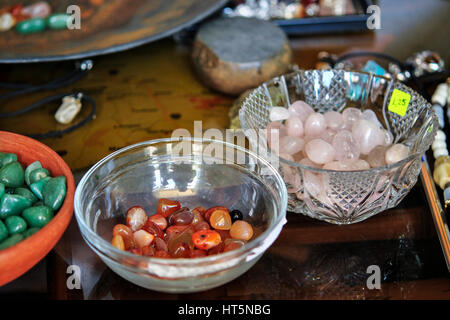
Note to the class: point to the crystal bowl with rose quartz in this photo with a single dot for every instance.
(367, 148)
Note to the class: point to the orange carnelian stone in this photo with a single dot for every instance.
(206, 239)
(126, 234)
(220, 219)
(241, 230)
(117, 241)
(166, 207)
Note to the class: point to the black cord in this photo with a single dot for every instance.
(23, 88)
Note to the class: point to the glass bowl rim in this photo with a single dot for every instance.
(99, 242)
(386, 167)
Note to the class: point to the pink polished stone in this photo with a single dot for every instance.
(39, 9)
(313, 183)
(388, 137)
(395, 153)
(320, 151)
(351, 115)
(301, 109)
(344, 165)
(315, 125)
(376, 157)
(309, 163)
(328, 135)
(361, 164)
(286, 156)
(370, 115)
(346, 146)
(334, 120)
(291, 145)
(366, 134)
(278, 114)
(294, 126)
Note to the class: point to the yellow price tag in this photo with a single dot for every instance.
(399, 102)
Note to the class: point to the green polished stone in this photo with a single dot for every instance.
(35, 165)
(15, 238)
(6, 158)
(38, 174)
(15, 224)
(54, 192)
(58, 21)
(12, 205)
(37, 217)
(2, 190)
(30, 232)
(39, 203)
(27, 194)
(38, 187)
(31, 26)
(12, 175)
(3, 231)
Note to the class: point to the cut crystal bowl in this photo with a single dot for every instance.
(344, 197)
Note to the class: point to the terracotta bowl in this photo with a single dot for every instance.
(21, 257)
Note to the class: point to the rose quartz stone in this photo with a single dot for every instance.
(361, 164)
(312, 183)
(395, 153)
(370, 115)
(309, 163)
(366, 134)
(388, 137)
(294, 126)
(334, 120)
(319, 151)
(278, 114)
(315, 125)
(351, 115)
(328, 135)
(291, 145)
(344, 165)
(39, 9)
(301, 109)
(376, 157)
(345, 145)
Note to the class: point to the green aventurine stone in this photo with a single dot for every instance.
(31, 26)
(27, 194)
(6, 158)
(15, 224)
(30, 232)
(15, 238)
(54, 192)
(13, 205)
(38, 187)
(37, 217)
(12, 175)
(38, 174)
(3, 231)
(58, 21)
(35, 165)
(2, 190)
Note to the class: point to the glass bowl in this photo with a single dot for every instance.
(197, 173)
(344, 197)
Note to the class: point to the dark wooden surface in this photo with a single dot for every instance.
(310, 259)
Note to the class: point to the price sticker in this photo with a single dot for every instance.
(399, 102)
